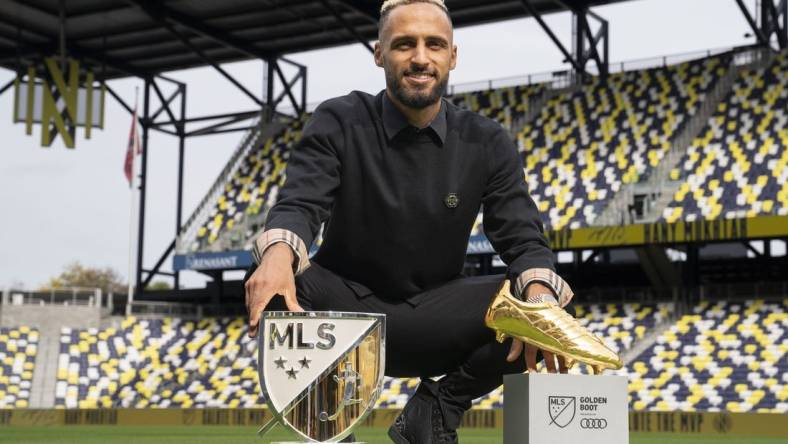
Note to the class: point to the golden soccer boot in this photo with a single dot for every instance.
(547, 326)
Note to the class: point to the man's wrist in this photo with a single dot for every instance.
(546, 278)
(537, 293)
(536, 288)
(280, 250)
(274, 236)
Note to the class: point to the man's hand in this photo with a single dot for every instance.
(274, 276)
(530, 351)
(530, 357)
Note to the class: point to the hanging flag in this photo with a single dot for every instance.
(134, 147)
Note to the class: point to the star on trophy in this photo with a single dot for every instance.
(321, 373)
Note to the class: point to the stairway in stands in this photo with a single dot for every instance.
(659, 187)
(657, 183)
(42, 393)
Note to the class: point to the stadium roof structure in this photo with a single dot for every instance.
(142, 38)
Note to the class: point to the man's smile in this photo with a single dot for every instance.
(419, 78)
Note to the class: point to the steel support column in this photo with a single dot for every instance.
(6, 86)
(774, 22)
(347, 25)
(585, 41)
(303, 88)
(269, 89)
(155, 270)
(181, 148)
(268, 104)
(287, 89)
(567, 55)
(164, 103)
(138, 289)
(193, 48)
(180, 132)
(169, 100)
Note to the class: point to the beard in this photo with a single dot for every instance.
(412, 97)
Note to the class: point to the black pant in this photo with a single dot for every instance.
(443, 335)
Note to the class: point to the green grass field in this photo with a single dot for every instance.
(225, 434)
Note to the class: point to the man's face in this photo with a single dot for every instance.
(416, 51)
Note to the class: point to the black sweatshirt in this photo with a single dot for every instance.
(399, 203)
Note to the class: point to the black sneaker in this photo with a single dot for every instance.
(421, 421)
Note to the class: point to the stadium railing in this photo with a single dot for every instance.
(149, 309)
(564, 78)
(91, 297)
(624, 295)
(744, 291)
(738, 292)
(674, 59)
(619, 295)
(553, 80)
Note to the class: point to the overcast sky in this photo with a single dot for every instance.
(59, 205)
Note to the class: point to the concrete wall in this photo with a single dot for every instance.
(49, 317)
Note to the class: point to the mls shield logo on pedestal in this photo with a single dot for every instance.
(321, 372)
(562, 410)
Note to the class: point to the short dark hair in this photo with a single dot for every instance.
(389, 5)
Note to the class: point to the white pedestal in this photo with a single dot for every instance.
(544, 408)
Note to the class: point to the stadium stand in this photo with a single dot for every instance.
(18, 347)
(578, 150)
(254, 185)
(720, 357)
(158, 363)
(621, 325)
(509, 106)
(585, 144)
(738, 165)
(211, 363)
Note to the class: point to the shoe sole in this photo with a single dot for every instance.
(397, 437)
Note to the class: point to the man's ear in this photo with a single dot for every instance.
(378, 54)
(453, 57)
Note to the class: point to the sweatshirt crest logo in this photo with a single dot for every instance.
(452, 200)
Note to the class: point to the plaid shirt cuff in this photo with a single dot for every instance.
(276, 235)
(548, 278)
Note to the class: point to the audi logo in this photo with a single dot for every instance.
(593, 423)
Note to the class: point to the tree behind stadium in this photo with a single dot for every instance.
(77, 275)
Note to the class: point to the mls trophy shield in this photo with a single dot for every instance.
(321, 373)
